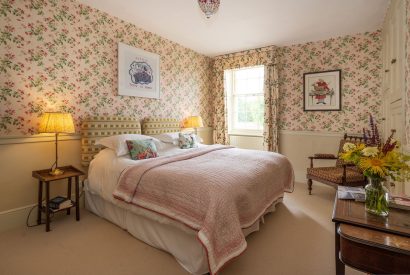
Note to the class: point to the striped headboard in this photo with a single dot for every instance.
(156, 126)
(94, 128)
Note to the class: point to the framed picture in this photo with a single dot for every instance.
(138, 72)
(322, 91)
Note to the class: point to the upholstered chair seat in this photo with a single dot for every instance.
(340, 174)
(335, 175)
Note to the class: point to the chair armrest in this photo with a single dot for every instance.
(323, 156)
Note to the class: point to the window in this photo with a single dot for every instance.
(245, 100)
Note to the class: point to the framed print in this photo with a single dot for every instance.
(322, 91)
(138, 72)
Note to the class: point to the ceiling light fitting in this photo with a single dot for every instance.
(209, 7)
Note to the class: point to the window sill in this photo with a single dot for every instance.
(241, 134)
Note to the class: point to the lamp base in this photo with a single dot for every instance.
(56, 172)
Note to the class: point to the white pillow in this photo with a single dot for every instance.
(119, 145)
(174, 137)
(169, 137)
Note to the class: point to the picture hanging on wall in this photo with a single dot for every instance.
(138, 72)
(322, 91)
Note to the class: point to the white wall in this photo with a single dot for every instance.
(246, 142)
(19, 156)
(297, 146)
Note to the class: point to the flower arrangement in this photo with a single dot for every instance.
(378, 162)
(375, 159)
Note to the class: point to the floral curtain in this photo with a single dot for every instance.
(220, 108)
(270, 124)
(263, 56)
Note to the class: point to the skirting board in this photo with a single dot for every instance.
(16, 217)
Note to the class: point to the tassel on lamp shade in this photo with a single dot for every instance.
(56, 123)
(194, 122)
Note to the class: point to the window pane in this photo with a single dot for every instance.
(249, 112)
(253, 85)
(246, 99)
(241, 74)
(248, 81)
(241, 86)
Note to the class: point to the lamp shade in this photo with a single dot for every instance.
(56, 123)
(194, 122)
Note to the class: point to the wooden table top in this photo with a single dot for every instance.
(375, 238)
(352, 212)
(69, 171)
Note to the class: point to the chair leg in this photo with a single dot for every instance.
(310, 182)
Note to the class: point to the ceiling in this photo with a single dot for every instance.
(248, 24)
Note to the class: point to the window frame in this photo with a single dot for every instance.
(229, 86)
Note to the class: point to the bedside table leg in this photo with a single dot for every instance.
(340, 266)
(77, 198)
(40, 199)
(47, 208)
(69, 193)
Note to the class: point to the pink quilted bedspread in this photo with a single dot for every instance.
(216, 190)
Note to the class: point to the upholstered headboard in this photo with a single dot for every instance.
(156, 126)
(97, 127)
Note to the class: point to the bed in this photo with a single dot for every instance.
(177, 236)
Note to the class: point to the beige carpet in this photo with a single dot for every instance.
(296, 239)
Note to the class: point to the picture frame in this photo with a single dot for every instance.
(138, 72)
(322, 91)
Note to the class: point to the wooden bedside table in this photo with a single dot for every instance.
(369, 243)
(43, 176)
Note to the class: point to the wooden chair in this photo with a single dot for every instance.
(341, 174)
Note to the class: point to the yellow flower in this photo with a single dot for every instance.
(374, 166)
(360, 147)
(354, 154)
(370, 151)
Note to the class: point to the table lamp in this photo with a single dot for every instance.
(56, 123)
(194, 122)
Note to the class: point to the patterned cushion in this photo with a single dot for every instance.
(142, 149)
(334, 174)
(187, 141)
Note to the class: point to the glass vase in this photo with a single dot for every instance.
(377, 197)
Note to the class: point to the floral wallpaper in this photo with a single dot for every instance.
(358, 56)
(59, 55)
